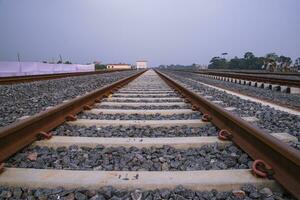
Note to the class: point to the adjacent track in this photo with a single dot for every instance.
(149, 102)
(29, 129)
(284, 81)
(258, 72)
(284, 160)
(31, 78)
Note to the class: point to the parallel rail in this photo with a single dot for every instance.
(251, 77)
(19, 134)
(284, 160)
(258, 72)
(31, 78)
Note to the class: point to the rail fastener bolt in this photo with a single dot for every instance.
(87, 107)
(1, 167)
(186, 101)
(195, 108)
(71, 118)
(206, 118)
(97, 101)
(224, 135)
(262, 169)
(44, 135)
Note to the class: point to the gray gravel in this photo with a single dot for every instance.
(143, 100)
(145, 92)
(291, 100)
(140, 116)
(30, 98)
(269, 119)
(148, 95)
(133, 159)
(249, 192)
(110, 131)
(147, 107)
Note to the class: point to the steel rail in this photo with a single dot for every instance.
(19, 134)
(253, 72)
(284, 160)
(280, 81)
(40, 77)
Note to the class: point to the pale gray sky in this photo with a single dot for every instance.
(162, 31)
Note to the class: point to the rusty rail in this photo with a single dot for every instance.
(40, 77)
(19, 134)
(258, 72)
(272, 80)
(284, 160)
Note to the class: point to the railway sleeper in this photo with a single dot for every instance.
(176, 142)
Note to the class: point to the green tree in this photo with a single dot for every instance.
(297, 63)
(284, 59)
(272, 57)
(98, 66)
(249, 55)
(218, 63)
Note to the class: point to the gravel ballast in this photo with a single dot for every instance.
(102, 116)
(147, 107)
(133, 159)
(132, 131)
(143, 100)
(146, 95)
(269, 119)
(247, 192)
(30, 98)
(290, 100)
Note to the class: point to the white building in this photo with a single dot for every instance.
(118, 66)
(141, 64)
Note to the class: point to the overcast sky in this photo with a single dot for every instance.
(161, 31)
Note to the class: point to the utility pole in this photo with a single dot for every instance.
(60, 59)
(19, 60)
(18, 55)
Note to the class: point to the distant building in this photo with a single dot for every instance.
(203, 67)
(141, 64)
(118, 66)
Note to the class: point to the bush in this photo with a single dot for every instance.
(100, 67)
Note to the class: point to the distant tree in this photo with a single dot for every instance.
(249, 55)
(284, 59)
(272, 57)
(59, 62)
(217, 63)
(249, 61)
(236, 63)
(297, 63)
(44, 61)
(270, 61)
(68, 62)
(99, 66)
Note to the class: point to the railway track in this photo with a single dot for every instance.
(42, 77)
(269, 81)
(258, 72)
(149, 132)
